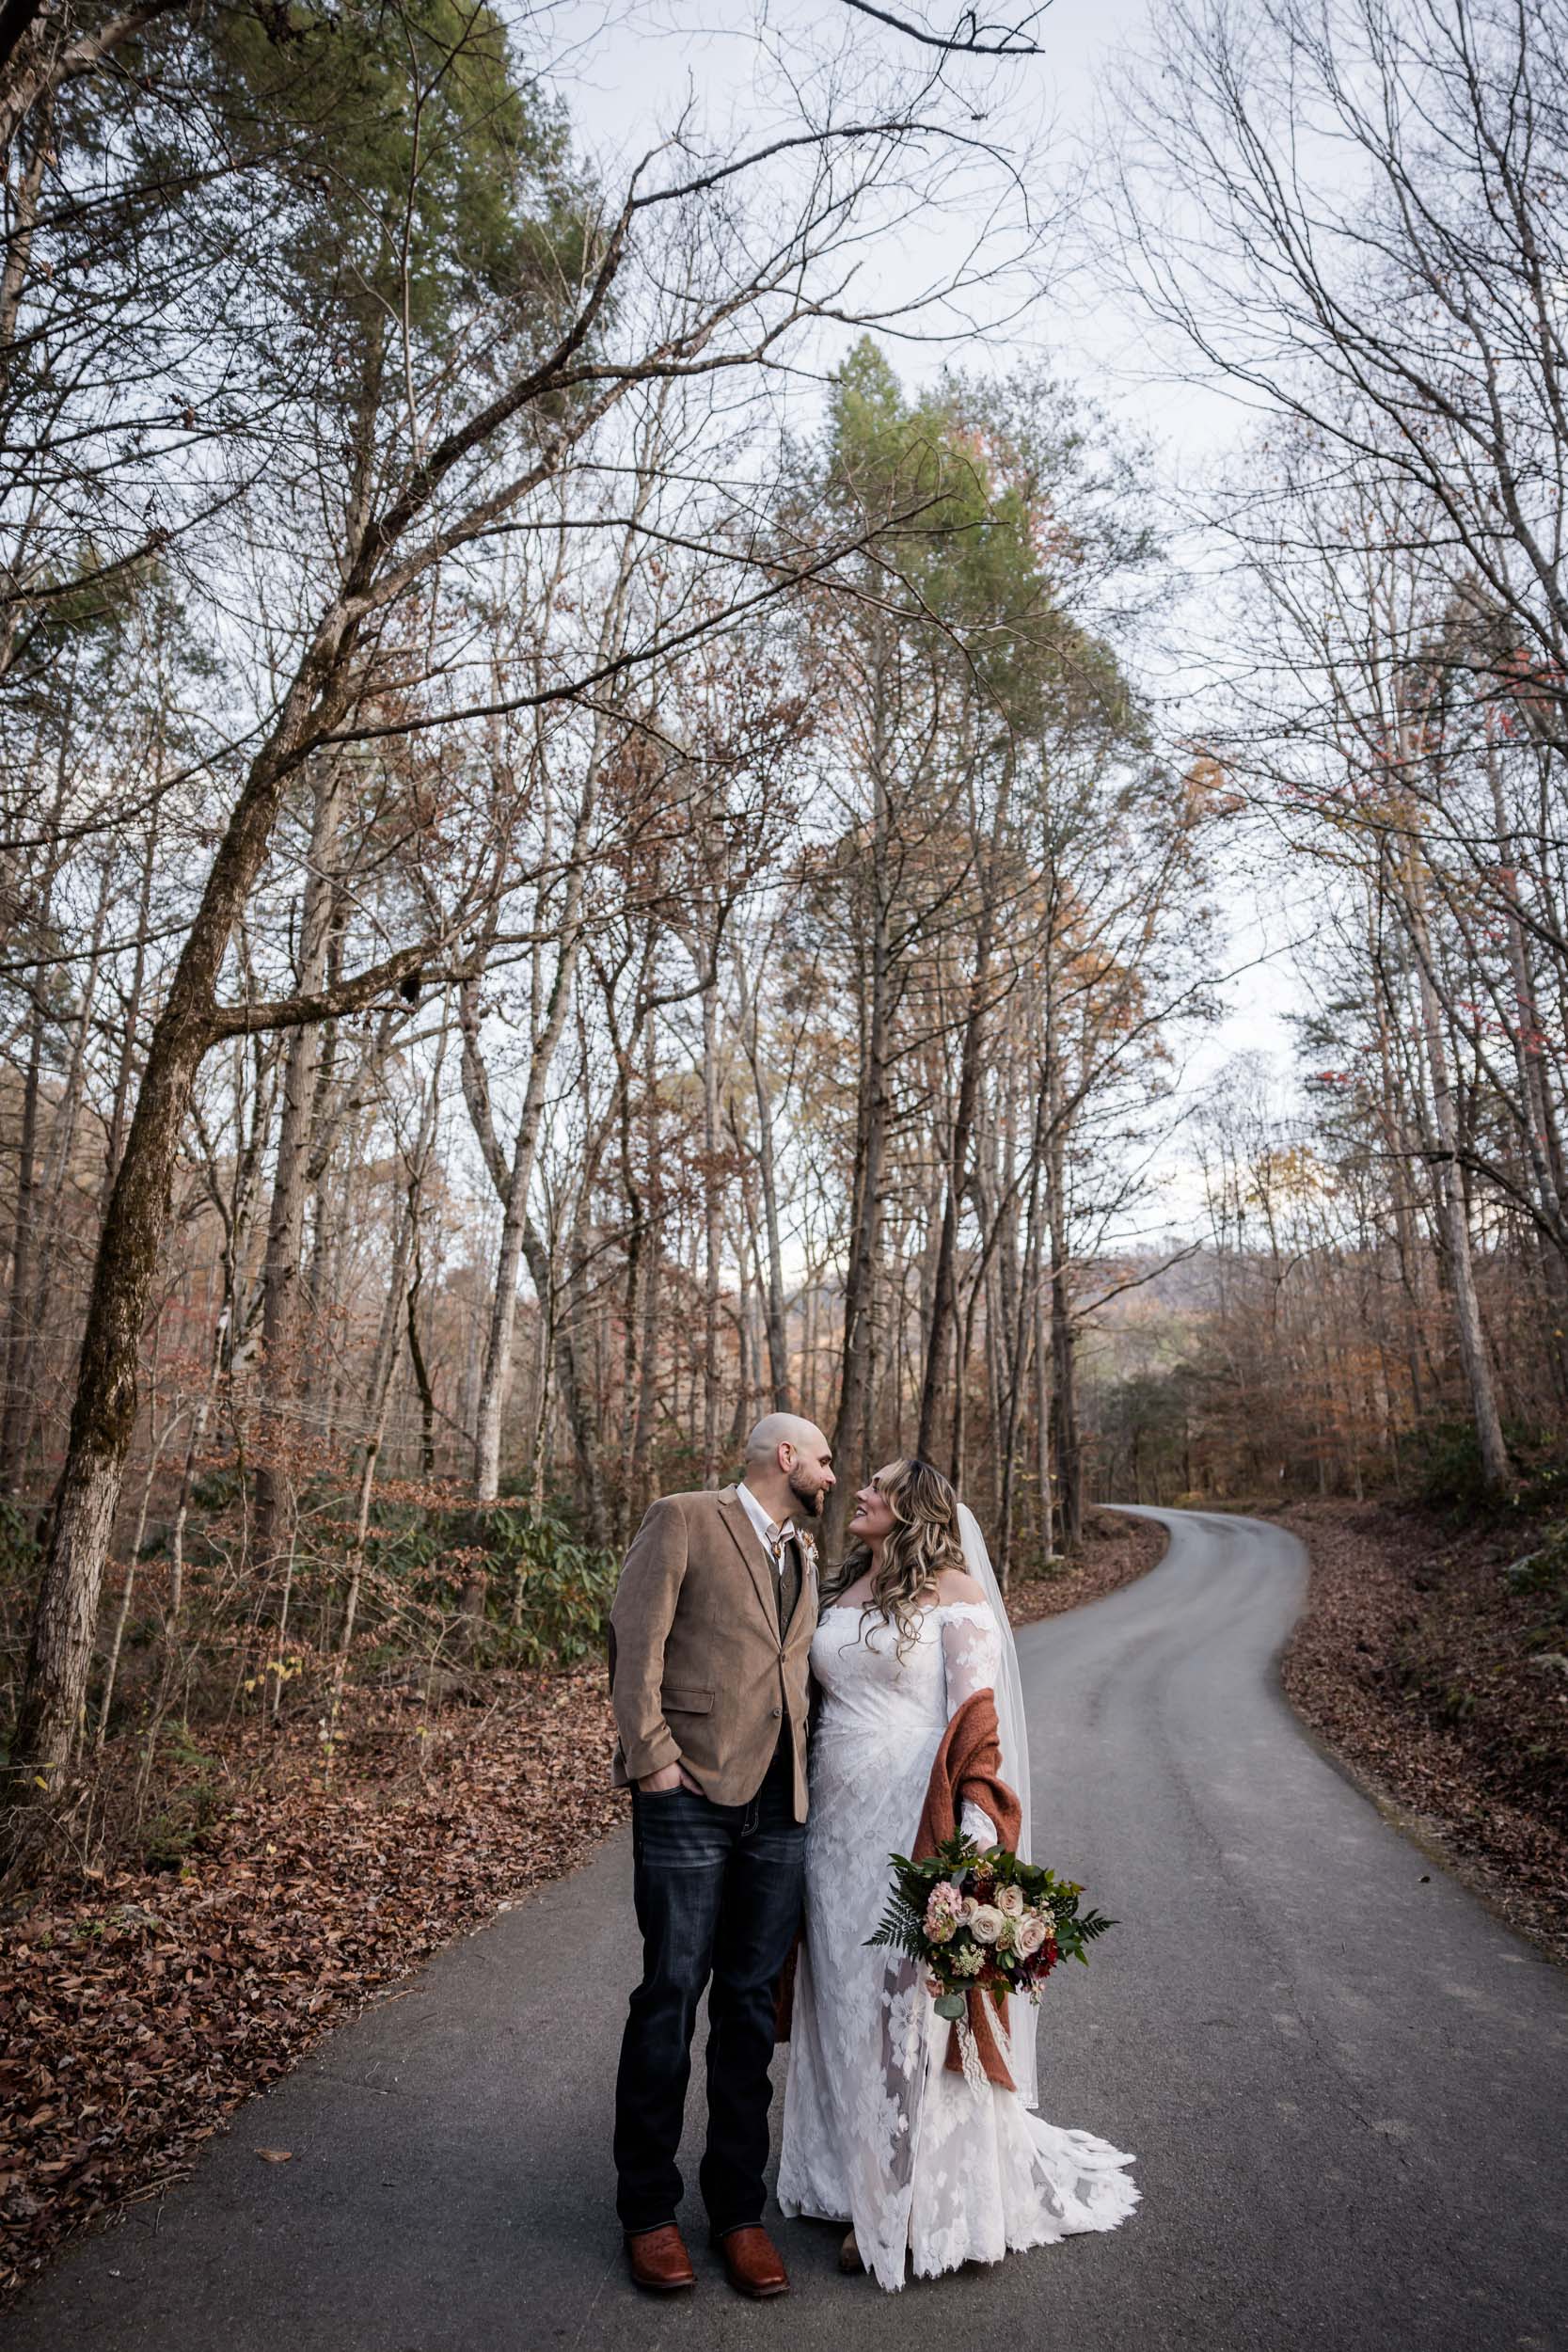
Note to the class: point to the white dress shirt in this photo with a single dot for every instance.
(771, 1532)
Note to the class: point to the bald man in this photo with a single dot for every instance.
(709, 1651)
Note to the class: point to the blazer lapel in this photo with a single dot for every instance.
(750, 1546)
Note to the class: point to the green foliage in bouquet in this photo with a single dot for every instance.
(956, 1937)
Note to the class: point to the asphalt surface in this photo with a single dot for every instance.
(1344, 2081)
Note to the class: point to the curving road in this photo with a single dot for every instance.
(1347, 2084)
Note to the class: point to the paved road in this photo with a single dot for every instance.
(1344, 2081)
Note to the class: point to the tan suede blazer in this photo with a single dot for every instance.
(698, 1672)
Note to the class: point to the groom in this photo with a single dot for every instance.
(710, 1636)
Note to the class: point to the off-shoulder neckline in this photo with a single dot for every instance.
(938, 1608)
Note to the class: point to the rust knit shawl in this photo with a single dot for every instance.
(967, 1765)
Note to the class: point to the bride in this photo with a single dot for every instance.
(879, 2131)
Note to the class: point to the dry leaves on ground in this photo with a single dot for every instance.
(136, 2011)
(1114, 1550)
(1413, 1661)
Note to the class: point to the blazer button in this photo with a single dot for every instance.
(777, 1713)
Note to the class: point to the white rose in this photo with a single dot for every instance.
(1029, 1933)
(1010, 1900)
(967, 1908)
(984, 1924)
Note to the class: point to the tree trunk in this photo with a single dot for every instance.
(421, 1377)
(495, 1384)
(580, 1416)
(1067, 1443)
(1451, 1206)
(132, 1005)
(18, 1414)
(513, 1183)
(712, 1204)
(944, 1302)
(852, 1435)
(778, 1335)
(286, 1218)
(104, 1417)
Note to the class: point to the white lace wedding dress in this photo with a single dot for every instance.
(877, 2131)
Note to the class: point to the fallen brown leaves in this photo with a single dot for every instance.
(1412, 1661)
(1113, 1552)
(138, 2009)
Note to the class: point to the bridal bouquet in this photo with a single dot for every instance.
(969, 1917)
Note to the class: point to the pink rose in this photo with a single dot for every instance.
(941, 1917)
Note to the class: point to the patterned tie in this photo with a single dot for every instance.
(786, 1559)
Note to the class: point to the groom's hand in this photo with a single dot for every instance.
(668, 1776)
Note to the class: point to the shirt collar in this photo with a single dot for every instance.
(761, 1522)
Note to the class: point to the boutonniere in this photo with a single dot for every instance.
(808, 1551)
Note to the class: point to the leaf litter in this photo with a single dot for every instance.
(138, 2007)
(1425, 1665)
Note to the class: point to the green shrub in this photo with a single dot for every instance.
(547, 1595)
(556, 1590)
(194, 1798)
(1444, 1460)
(1542, 1576)
(1546, 1570)
(19, 1551)
(1441, 1462)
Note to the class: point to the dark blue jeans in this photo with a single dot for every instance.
(718, 1891)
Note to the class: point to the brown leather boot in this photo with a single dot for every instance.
(658, 2260)
(753, 2262)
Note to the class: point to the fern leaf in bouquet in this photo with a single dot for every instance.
(972, 1918)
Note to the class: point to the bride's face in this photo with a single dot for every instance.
(873, 1518)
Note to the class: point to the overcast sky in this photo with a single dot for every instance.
(639, 70)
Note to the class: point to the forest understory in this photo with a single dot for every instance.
(1431, 1659)
(143, 1996)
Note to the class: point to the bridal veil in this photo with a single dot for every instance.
(1014, 1729)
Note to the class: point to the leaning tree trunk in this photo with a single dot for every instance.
(103, 1418)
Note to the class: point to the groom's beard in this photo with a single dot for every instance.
(810, 1498)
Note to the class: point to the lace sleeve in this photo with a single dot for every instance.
(971, 1654)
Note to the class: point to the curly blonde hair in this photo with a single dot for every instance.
(922, 1540)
